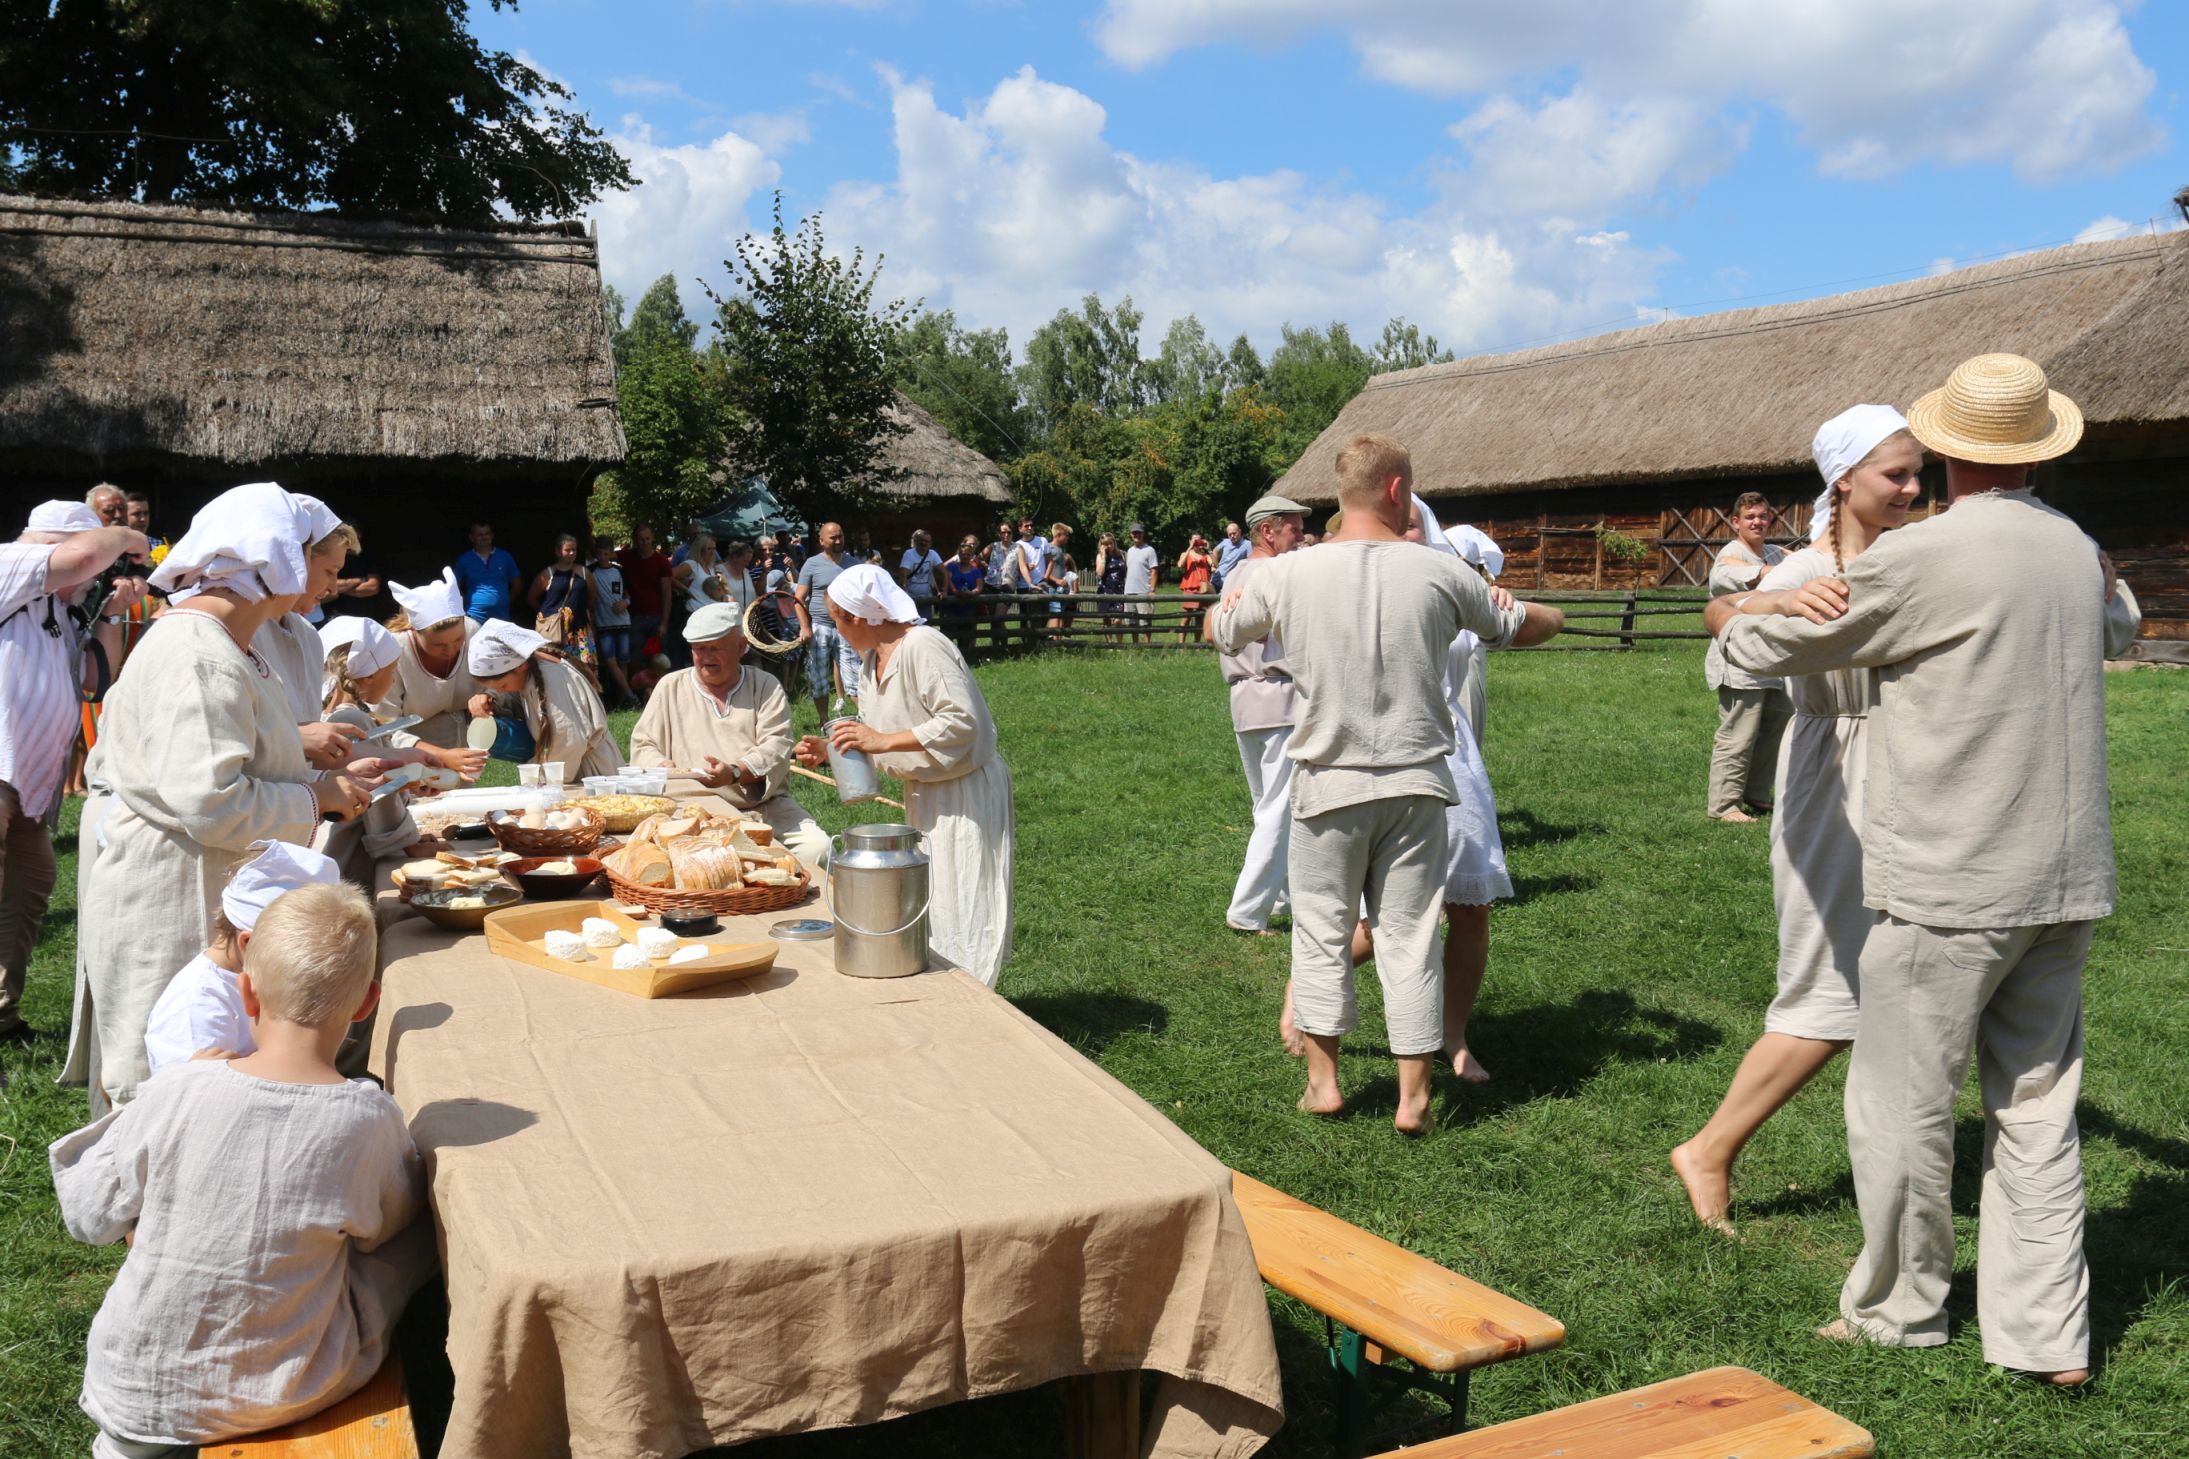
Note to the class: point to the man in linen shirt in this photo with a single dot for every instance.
(1367, 621)
(729, 726)
(1987, 851)
(63, 548)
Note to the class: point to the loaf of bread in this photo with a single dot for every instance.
(643, 864)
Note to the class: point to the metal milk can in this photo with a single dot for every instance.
(878, 894)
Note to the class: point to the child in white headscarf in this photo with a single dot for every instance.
(432, 680)
(561, 711)
(924, 720)
(357, 667)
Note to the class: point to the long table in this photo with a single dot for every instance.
(803, 1201)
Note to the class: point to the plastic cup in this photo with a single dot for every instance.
(529, 775)
(553, 772)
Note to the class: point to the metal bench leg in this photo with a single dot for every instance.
(1350, 1365)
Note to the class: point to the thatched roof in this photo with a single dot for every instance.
(1742, 393)
(177, 335)
(938, 464)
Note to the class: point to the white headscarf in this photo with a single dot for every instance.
(1839, 447)
(249, 540)
(62, 517)
(500, 646)
(436, 602)
(870, 594)
(372, 648)
(1432, 532)
(279, 867)
(1478, 547)
(325, 522)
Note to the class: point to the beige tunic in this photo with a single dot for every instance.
(1985, 797)
(1816, 837)
(439, 701)
(1259, 679)
(292, 646)
(1736, 570)
(201, 751)
(683, 724)
(957, 790)
(568, 724)
(359, 846)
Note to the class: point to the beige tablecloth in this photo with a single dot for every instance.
(798, 1202)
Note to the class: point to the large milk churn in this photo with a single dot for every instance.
(878, 894)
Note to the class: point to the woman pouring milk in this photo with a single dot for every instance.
(924, 721)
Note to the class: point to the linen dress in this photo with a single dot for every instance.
(442, 702)
(292, 646)
(1816, 837)
(568, 724)
(359, 846)
(957, 790)
(200, 751)
(1477, 873)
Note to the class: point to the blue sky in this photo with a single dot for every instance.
(1503, 172)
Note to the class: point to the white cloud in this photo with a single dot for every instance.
(2052, 87)
(685, 217)
(2108, 228)
(773, 132)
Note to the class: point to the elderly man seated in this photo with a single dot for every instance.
(728, 728)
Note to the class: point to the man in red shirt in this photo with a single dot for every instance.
(645, 569)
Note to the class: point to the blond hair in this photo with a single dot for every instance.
(313, 954)
(343, 533)
(1366, 463)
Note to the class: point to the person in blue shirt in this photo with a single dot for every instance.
(487, 577)
(1230, 552)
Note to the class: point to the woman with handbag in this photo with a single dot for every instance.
(562, 597)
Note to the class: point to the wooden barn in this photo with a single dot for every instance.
(414, 377)
(946, 486)
(1612, 462)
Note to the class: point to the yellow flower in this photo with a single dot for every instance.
(159, 553)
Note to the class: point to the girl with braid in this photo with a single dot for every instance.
(358, 660)
(1871, 467)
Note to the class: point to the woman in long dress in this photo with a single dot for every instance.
(1871, 466)
(200, 753)
(923, 719)
(432, 680)
(358, 664)
(560, 711)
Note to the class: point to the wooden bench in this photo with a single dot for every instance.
(1725, 1413)
(1384, 1302)
(372, 1423)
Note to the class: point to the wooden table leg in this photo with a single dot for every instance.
(1102, 1415)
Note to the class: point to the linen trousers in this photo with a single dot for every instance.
(1744, 758)
(27, 872)
(1260, 890)
(1390, 855)
(1930, 994)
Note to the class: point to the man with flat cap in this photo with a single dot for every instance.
(730, 727)
(1987, 852)
(1262, 702)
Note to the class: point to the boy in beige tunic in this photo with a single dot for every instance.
(1988, 854)
(1367, 620)
(1752, 711)
(730, 727)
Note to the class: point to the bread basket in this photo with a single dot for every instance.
(553, 843)
(623, 816)
(721, 902)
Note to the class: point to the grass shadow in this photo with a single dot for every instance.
(1520, 828)
(1527, 889)
(1090, 1021)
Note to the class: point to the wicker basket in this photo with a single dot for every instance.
(553, 843)
(721, 902)
(625, 823)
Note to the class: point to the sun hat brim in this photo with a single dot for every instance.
(1926, 423)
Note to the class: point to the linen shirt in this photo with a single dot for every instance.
(1736, 570)
(38, 695)
(568, 724)
(239, 1307)
(299, 660)
(750, 726)
(1260, 681)
(928, 689)
(442, 702)
(1985, 804)
(1366, 628)
(201, 1009)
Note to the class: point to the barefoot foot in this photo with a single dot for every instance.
(1415, 1118)
(1467, 1066)
(1735, 817)
(1709, 1187)
(1839, 1329)
(1330, 1103)
(1288, 1031)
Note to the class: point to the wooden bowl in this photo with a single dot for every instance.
(433, 905)
(543, 886)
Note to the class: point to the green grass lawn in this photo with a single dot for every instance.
(1626, 979)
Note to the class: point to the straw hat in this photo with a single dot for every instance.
(1996, 409)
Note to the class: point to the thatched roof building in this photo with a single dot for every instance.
(946, 487)
(1650, 433)
(414, 374)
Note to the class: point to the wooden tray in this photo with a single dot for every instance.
(519, 933)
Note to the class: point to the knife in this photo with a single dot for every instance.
(406, 722)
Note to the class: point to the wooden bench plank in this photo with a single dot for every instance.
(1403, 1303)
(1724, 1413)
(372, 1423)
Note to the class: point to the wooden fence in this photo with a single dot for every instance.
(998, 624)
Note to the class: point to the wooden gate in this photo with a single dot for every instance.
(1690, 538)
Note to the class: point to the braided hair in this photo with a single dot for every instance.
(1839, 563)
(340, 687)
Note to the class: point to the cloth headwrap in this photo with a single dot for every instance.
(1478, 547)
(258, 883)
(372, 648)
(1839, 447)
(868, 593)
(1432, 532)
(499, 647)
(62, 517)
(249, 540)
(436, 602)
(325, 521)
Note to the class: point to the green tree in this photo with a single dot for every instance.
(1091, 358)
(672, 414)
(1243, 365)
(1405, 347)
(805, 369)
(1188, 365)
(387, 107)
(1312, 374)
(963, 378)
